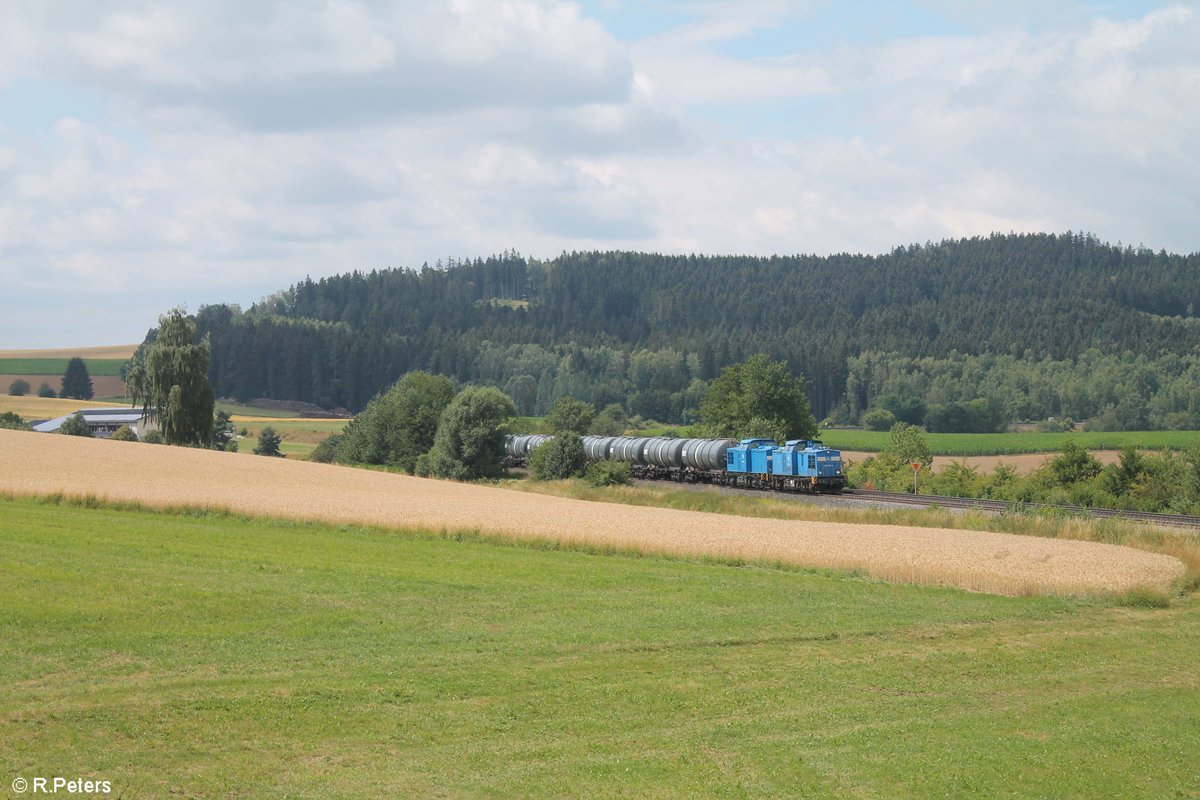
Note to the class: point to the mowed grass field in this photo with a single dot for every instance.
(990, 444)
(212, 656)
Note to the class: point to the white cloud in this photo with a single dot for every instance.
(243, 146)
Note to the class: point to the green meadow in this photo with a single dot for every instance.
(215, 656)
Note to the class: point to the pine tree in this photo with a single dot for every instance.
(76, 383)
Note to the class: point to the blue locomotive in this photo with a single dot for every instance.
(799, 465)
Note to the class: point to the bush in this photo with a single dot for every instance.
(608, 473)
(124, 434)
(609, 422)
(152, 437)
(45, 391)
(469, 442)
(878, 419)
(1074, 465)
(399, 425)
(18, 388)
(76, 426)
(561, 457)
(327, 451)
(268, 443)
(12, 422)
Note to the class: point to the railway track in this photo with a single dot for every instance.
(1001, 506)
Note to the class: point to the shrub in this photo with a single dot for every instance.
(1074, 465)
(469, 442)
(609, 422)
(878, 419)
(608, 473)
(399, 425)
(12, 421)
(327, 451)
(45, 391)
(152, 437)
(18, 388)
(76, 426)
(124, 434)
(561, 457)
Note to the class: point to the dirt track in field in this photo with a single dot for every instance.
(161, 476)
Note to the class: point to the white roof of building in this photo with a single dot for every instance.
(96, 416)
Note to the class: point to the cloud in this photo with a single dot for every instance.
(289, 66)
(229, 149)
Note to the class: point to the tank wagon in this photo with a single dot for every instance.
(799, 465)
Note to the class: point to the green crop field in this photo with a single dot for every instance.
(211, 656)
(238, 409)
(57, 366)
(998, 444)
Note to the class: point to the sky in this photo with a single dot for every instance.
(187, 153)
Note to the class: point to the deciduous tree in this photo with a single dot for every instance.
(762, 395)
(397, 427)
(171, 381)
(470, 436)
(570, 416)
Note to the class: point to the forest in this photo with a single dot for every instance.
(1032, 325)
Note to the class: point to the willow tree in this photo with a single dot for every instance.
(170, 378)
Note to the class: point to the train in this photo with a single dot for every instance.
(799, 465)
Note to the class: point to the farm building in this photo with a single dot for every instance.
(103, 422)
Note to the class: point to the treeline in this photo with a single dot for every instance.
(650, 331)
(1125, 391)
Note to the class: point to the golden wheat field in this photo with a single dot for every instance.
(33, 407)
(39, 464)
(110, 351)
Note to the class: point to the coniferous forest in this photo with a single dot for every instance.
(1037, 325)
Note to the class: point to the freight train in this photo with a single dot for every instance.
(800, 465)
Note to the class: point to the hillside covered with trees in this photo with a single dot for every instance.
(1038, 325)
